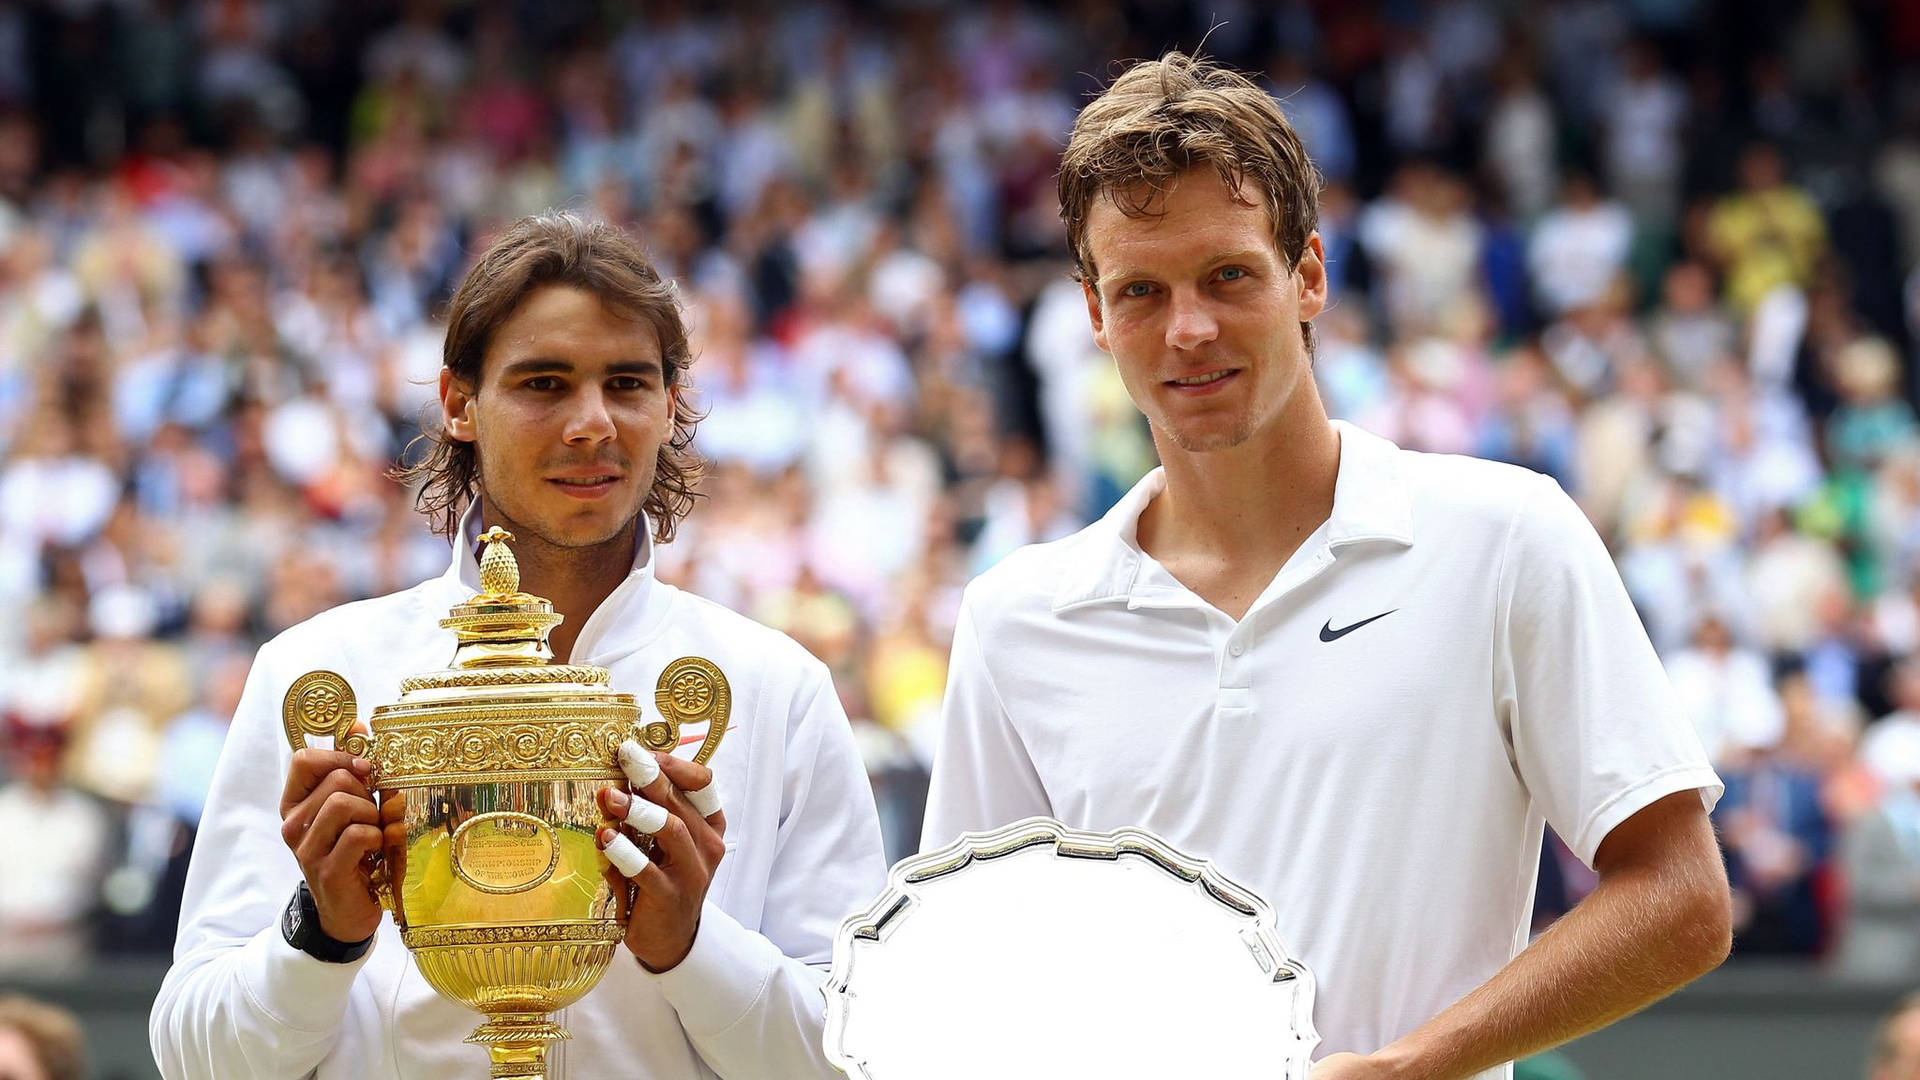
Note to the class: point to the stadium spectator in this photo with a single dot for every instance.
(1579, 247)
(1767, 234)
(1778, 838)
(56, 839)
(1880, 856)
(1896, 1045)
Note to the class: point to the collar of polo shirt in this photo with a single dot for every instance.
(1370, 503)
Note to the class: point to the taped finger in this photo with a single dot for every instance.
(626, 857)
(706, 800)
(646, 817)
(638, 763)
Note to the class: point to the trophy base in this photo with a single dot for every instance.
(517, 1043)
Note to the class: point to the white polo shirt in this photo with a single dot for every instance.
(1449, 664)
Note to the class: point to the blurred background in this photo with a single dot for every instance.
(1662, 250)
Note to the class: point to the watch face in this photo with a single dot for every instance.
(290, 925)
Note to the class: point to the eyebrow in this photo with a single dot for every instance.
(1214, 263)
(555, 365)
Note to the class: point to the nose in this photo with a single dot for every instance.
(1190, 324)
(589, 420)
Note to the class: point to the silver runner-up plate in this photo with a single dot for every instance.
(1039, 951)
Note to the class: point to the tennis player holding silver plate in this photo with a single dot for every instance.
(1359, 679)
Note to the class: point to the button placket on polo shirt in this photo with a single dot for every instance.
(1233, 697)
(1233, 684)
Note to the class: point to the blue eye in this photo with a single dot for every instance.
(1232, 273)
(1138, 288)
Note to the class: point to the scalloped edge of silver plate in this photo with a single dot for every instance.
(1259, 930)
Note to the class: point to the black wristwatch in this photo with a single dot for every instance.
(301, 927)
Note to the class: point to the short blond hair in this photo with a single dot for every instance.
(1163, 117)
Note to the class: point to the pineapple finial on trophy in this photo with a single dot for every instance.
(499, 573)
(500, 625)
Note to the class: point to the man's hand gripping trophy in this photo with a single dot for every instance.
(673, 805)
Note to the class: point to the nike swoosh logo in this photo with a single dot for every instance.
(1328, 633)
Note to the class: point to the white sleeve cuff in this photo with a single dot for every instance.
(1627, 803)
(295, 989)
(722, 978)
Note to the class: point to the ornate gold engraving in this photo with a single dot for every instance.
(692, 690)
(511, 742)
(318, 703)
(558, 673)
(510, 1037)
(434, 937)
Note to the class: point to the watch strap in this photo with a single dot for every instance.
(301, 929)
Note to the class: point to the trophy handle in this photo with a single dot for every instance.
(380, 883)
(319, 703)
(691, 690)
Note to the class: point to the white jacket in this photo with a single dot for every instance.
(803, 850)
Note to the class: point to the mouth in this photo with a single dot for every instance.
(1203, 383)
(585, 487)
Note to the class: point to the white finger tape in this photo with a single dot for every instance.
(646, 817)
(638, 764)
(706, 800)
(626, 857)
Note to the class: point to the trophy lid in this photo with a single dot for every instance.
(501, 625)
(503, 711)
(502, 632)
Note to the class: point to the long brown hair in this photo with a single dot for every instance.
(559, 248)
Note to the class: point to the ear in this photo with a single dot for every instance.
(1310, 278)
(1094, 314)
(456, 408)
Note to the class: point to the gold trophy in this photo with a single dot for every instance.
(487, 774)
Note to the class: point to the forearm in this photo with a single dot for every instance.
(1635, 939)
(255, 1009)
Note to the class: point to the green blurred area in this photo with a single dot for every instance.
(1547, 1067)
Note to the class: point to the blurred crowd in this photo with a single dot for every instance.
(1660, 249)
